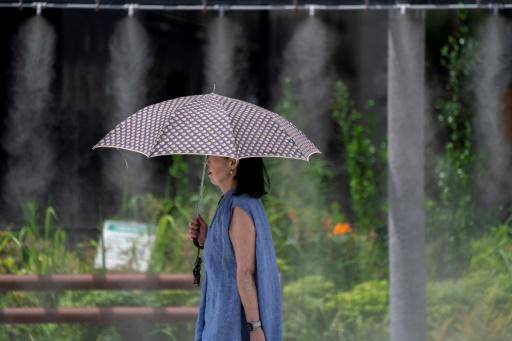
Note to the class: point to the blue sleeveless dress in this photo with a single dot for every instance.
(221, 314)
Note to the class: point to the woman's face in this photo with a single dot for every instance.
(218, 169)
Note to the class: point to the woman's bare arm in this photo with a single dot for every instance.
(243, 237)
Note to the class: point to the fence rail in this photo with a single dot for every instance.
(97, 315)
(103, 315)
(96, 282)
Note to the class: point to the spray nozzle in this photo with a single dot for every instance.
(131, 9)
(311, 10)
(495, 9)
(39, 7)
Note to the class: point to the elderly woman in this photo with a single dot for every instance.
(240, 293)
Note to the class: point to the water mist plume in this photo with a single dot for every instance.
(223, 62)
(307, 63)
(27, 138)
(490, 77)
(131, 59)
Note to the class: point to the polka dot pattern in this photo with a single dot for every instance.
(209, 125)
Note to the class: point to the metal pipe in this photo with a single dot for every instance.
(363, 6)
(97, 282)
(98, 315)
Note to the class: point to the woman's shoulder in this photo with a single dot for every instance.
(244, 200)
(244, 197)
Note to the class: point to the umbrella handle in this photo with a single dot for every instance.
(197, 266)
(198, 204)
(196, 243)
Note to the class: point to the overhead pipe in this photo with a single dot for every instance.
(293, 7)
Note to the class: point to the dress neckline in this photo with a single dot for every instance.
(228, 192)
(225, 195)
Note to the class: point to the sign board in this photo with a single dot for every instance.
(124, 245)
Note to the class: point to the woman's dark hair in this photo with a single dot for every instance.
(252, 177)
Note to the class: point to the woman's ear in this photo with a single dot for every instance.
(233, 163)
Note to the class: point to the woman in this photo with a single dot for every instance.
(240, 293)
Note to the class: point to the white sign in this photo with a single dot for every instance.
(125, 245)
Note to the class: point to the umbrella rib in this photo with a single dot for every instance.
(278, 121)
(230, 124)
(121, 147)
(282, 120)
(159, 135)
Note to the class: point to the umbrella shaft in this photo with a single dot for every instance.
(198, 204)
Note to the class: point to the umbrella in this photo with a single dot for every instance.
(209, 124)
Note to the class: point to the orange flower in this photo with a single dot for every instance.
(341, 229)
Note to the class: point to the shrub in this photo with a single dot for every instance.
(361, 313)
(305, 312)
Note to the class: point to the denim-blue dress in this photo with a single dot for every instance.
(221, 314)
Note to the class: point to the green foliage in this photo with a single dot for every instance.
(365, 162)
(354, 258)
(365, 252)
(493, 252)
(178, 172)
(488, 319)
(145, 207)
(361, 313)
(331, 314)
(168, 250)
(475, 307)
(172, 251)
(305, 302)
(296, 205)
(38, 247)
(451, 219)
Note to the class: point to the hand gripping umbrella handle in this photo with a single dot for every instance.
(198, 204)
(197, 266)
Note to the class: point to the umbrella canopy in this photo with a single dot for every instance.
(209, 124)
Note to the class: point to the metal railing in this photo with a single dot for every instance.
(96, 282)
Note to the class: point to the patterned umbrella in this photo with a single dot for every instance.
(209, 124)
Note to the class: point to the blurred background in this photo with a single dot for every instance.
(68, 75)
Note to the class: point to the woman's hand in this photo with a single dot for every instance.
(197, 229)
(257, 335)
